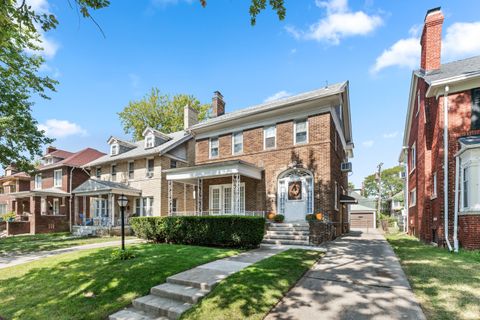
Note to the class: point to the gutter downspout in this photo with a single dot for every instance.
(406, 190)
(71, 195)
(445, 166)
(455, 223)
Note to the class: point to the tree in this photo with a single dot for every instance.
(392, 183)
(160, 112)
(20, 44)
(351, 186)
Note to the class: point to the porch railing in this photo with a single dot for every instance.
(216, 213)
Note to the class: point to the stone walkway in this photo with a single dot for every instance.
(13, 260)
(181, 291)
(359, 278)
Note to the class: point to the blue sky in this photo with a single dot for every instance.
(180, 47)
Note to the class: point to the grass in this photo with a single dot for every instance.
(446, 284)
(90, 284)
(252, 292)
(49, 241)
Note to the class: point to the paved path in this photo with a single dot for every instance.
(359, 278)
(13, 260)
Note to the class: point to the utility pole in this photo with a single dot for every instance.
(378, 178)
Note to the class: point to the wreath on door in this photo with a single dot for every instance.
(295, 190)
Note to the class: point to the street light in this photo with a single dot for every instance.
(122, 203)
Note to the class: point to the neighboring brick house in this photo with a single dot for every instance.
(135, 169)
(13, 181)
(431, 198)
(48, 201)
(283, 156)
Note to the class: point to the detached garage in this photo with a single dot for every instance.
(362, 216)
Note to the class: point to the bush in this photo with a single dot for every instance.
(279, 218)
(310, 217)
(122, 254)
(219, 231)
(9, 216)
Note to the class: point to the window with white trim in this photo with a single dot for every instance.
(237, 142)
(465, 187)
(38, 181)
(98, 172)
(301, 131)
(221, 199)
(114, 149)
(56, 206)
(336, 195)
(57, 178)
(413, 156)
(174, 205)
(269, 137)
(3, 208)
(434, 185)
(149, 141)
(413, 197)
(113, 172)
(213, 147)
(131, 170)
(148, 206)
(469, 181)
(150, 167)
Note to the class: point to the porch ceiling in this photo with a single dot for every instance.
(214, 170)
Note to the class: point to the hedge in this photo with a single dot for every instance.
(218, 231)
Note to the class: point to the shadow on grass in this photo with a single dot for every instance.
(89, 284)
(252, 292)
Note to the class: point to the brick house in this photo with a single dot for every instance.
(135, 170)
(46, 204)
(13, 181)
(283, 156)
(433, 175)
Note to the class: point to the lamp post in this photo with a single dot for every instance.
(122, 203)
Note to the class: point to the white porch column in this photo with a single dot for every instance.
(75, 210)
(199, 196)
(170, 197)
(185, 197)
(113, 209)
(236, 193)
(84, 216)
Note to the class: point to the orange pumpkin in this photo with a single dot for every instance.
(270, 215)
(319, 216)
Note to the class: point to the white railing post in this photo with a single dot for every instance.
(170, 197)
(236, 193)
(199, 196)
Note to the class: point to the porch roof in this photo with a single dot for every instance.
(50, 192)
(348, 199)
(98, 187)
(214, 170)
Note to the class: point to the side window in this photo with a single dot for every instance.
(475, 109)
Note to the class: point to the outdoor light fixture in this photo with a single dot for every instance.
(122, 203)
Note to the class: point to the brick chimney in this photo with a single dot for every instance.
(190, 117)
(218, 105)
(431, 40)
(50, 149)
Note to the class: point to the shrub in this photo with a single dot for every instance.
(279, 218)
(221, 231)
(9, 216)
(310, 217)
(122, 254)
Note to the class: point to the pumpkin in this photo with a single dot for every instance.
(319, 216)
(270, 215)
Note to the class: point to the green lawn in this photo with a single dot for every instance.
(89, 284)
(49, 241)
(252, 292)
(447, 284)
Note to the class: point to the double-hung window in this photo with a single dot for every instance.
(150, 167)
(38, 181)
(113, 172)
(3, 208)
(465, 187)
(131, 170)
(213, 147)
(173, 163)
(475, 109)
(114, 149)
(301, 131)
(148, 206)
(434, 185)
(98, 172)
(149, 141)
(269, 134)
(413, 157)
(57, 178)
(413, 198)
(56, 206)
(237, 142)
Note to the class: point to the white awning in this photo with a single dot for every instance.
(214, 170)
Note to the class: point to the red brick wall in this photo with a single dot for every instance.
(319, 156)
(469, 231)
(18, 227)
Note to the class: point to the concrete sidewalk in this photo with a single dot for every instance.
(13, 260)
(359, 278)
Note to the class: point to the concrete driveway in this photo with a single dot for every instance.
(359, 278)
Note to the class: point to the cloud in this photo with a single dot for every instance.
(61, 128)
(368, 143)
(39, 6)
(279, 95)
(390, 135)
(461, 41)
(340, 22)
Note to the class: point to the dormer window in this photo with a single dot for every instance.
(149, 141)
(114, 149)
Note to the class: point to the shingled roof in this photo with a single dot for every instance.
(465, 67)
(76, 159)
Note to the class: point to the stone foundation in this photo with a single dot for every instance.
(321, 232)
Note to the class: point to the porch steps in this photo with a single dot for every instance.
(134, 314)
(287, 234)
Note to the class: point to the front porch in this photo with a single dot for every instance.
(96, 207)
(223, 188)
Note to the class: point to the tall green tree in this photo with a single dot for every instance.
(159, 111)
(392, 183)
(20, 60)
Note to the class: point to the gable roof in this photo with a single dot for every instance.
(99, 186)
(76, 159)
(62, 154)
(466, 67)
(139, 150)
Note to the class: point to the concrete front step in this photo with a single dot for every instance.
(161, 307)
(179, 292)
(201, 278)
(288, 225)
(286, 237)
(133, 314)
(286, 242)
(288, 233)
(286, 228)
